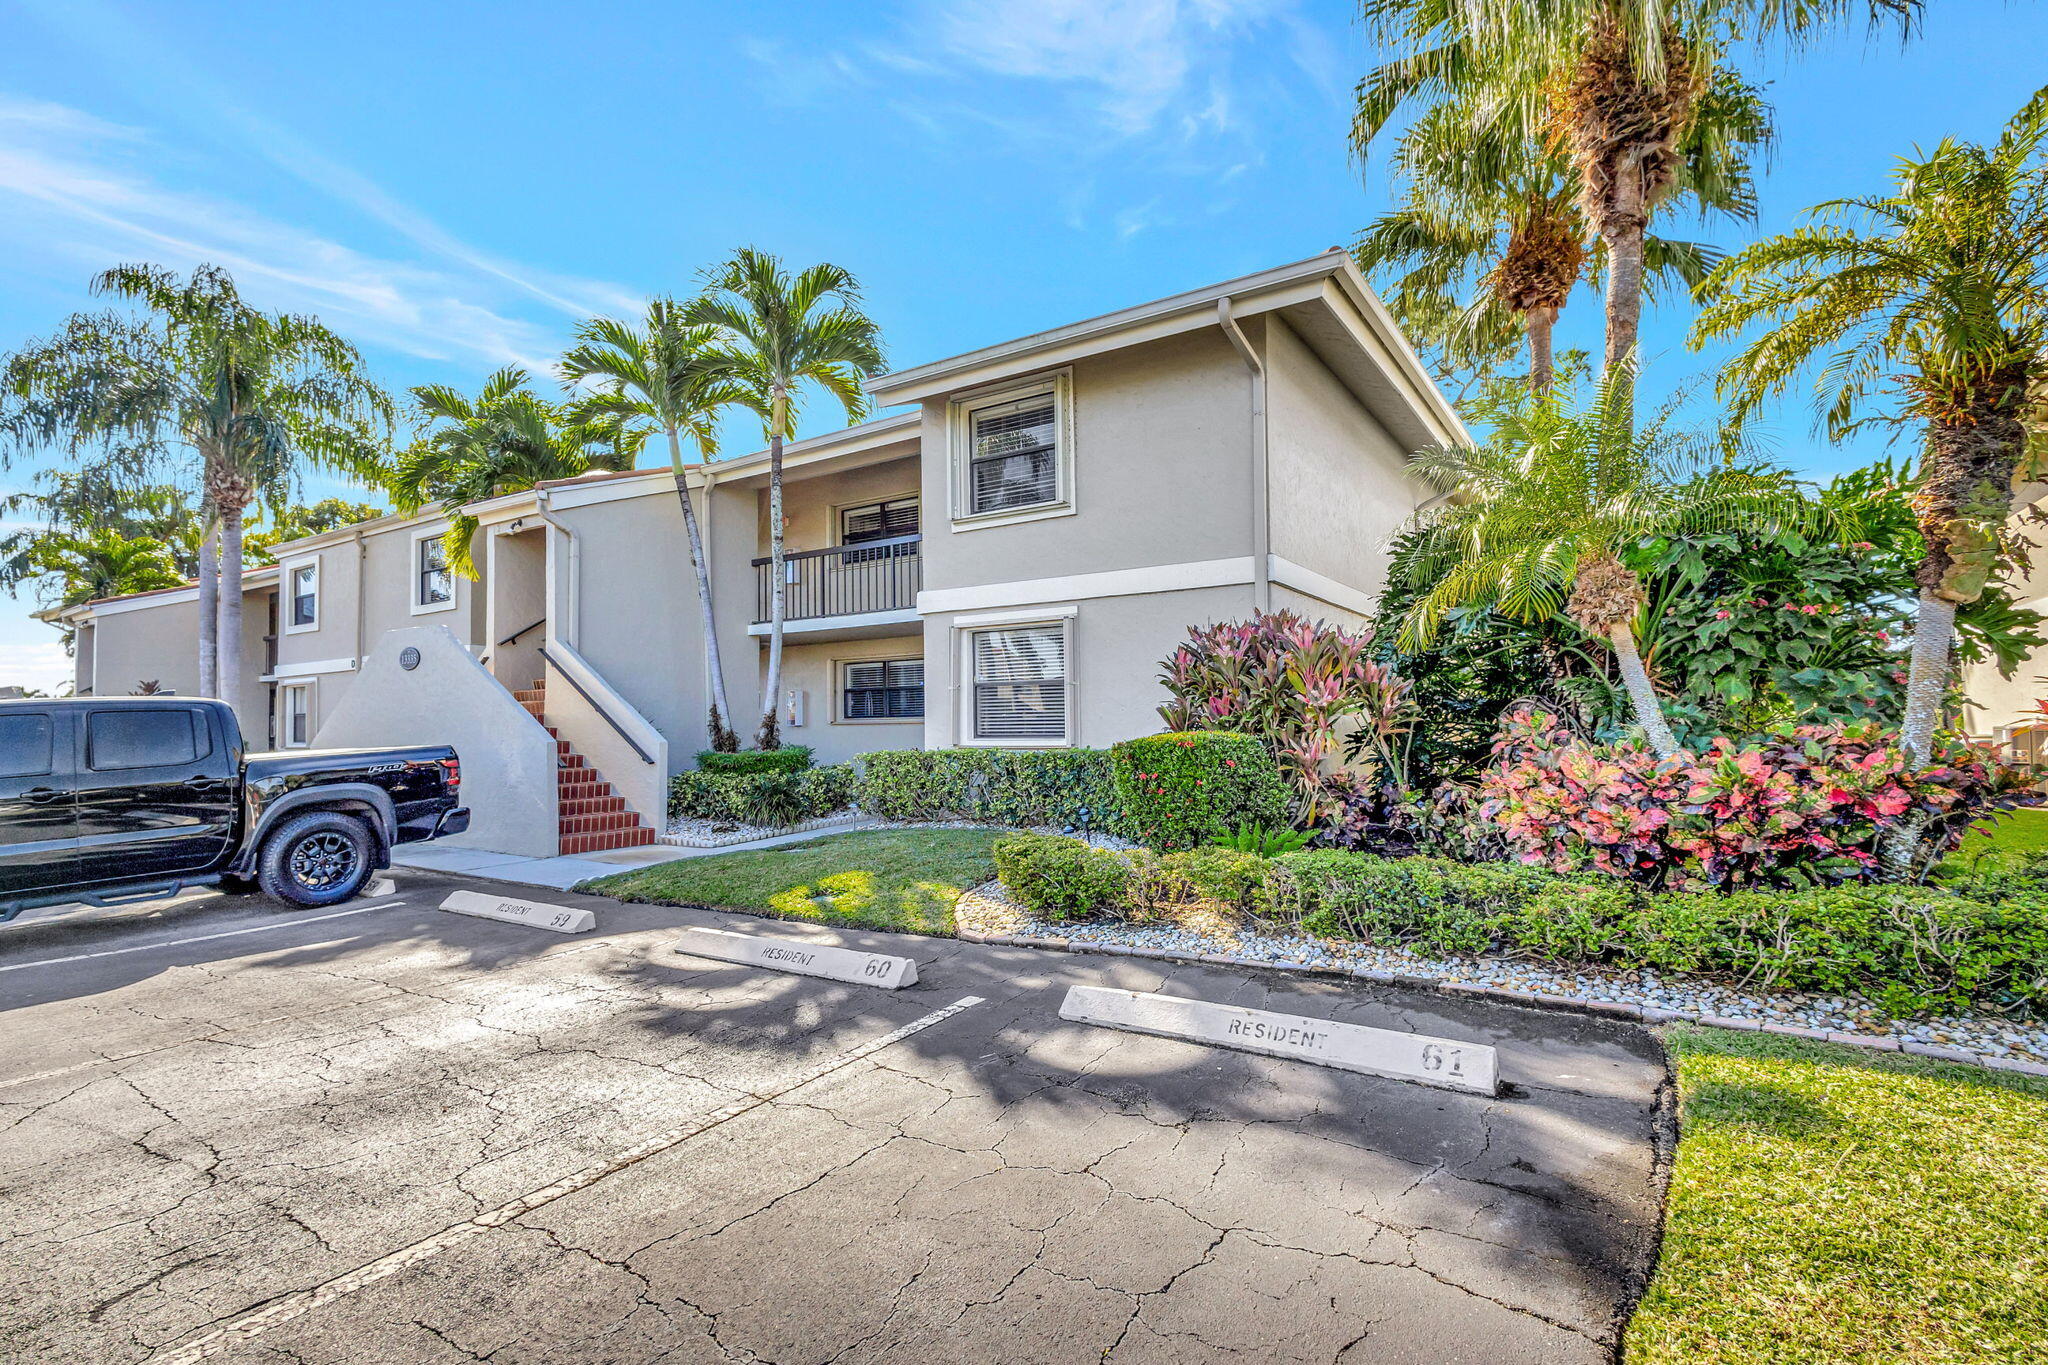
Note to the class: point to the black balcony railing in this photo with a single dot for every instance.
(846, 580)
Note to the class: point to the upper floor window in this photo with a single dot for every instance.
(302, 611)
(1013, 458)
(873, 521)
(433, 584)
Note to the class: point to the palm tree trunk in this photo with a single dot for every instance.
(722, 737)
(1624, 282)
(1649, 713)
(231, 607)
(770, 734)
(1540, 321)
(1934, 629)
(209, 608)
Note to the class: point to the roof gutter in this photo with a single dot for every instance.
(1262, 528)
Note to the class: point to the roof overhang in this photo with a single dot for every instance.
(263, 576)
(1324, 299)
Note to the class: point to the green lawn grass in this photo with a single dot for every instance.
(1830, 1206)
(868, 879)
(2021, 834)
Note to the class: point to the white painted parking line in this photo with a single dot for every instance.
(301, 1302)
(200, 938)
(561, 919)
(795, 955)
(1325, 1042)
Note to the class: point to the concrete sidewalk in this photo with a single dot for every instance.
(563, 873)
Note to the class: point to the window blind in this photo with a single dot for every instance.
(1020, 683)
(1014, 460)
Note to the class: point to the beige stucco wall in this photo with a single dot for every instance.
(637, 622)
(1995, 701)
(508, 760)
(1116, 647)
(160, 641)
(813, 669)
(812, 503)
(1162, 441)
(1339, 484)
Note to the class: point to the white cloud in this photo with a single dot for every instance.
(84, 196)
(41, 664)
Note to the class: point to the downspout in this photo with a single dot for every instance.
(362, 591)
(565, 630)
(1262, 530)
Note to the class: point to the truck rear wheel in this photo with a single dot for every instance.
(320, 858)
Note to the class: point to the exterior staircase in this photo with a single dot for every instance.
(594, 817)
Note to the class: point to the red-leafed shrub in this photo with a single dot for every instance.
(1800, 805)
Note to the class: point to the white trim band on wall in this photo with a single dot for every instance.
(1208, 573)
(311, 667)
(1320, 586)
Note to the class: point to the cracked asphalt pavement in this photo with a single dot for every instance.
(215, 1141)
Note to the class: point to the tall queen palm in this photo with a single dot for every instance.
(664, 375)
(246, 397)
(1927, 306)
(1541, 518)
(777, 333)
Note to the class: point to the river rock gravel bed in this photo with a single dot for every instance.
(988, 911)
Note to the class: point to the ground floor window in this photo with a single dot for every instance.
(882, 689)
(1020, 683)
(295, 709)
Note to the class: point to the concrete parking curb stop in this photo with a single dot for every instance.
(1610, 1009)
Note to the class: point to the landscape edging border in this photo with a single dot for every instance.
(1606, 1009)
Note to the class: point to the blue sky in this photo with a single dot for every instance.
(452, 186)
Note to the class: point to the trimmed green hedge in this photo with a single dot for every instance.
(1022, 788)
(788, 759)
(1186, 787)
(762, 798)
(1981, 942)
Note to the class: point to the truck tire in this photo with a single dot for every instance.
(320, 858)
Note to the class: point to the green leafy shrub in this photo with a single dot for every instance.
(1186, 787)
(1244, 883)
(788, 759)
(1910, 948)
(1024, 788)
(1263, 840)
(1060, 878)
(762, 798)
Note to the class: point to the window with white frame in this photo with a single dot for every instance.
(433, 584)
(302, 610)
(1019, 687)
(881, 689)
(1012, 452)
(295, 714)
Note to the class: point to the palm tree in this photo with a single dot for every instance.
(1617, 86)
(85, 567)
(201, 376)
(664, 376)
(505, 440)
(1494, 241)
(777, 333)
(1936, 293)
(1541, 516)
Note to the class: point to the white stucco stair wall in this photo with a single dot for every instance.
(508, 758)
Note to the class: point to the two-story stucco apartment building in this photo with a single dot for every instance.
(1004, 559)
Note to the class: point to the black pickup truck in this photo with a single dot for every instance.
(107, 800)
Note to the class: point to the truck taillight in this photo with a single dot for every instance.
(452, 769)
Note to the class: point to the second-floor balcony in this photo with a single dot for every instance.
(872, 577)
